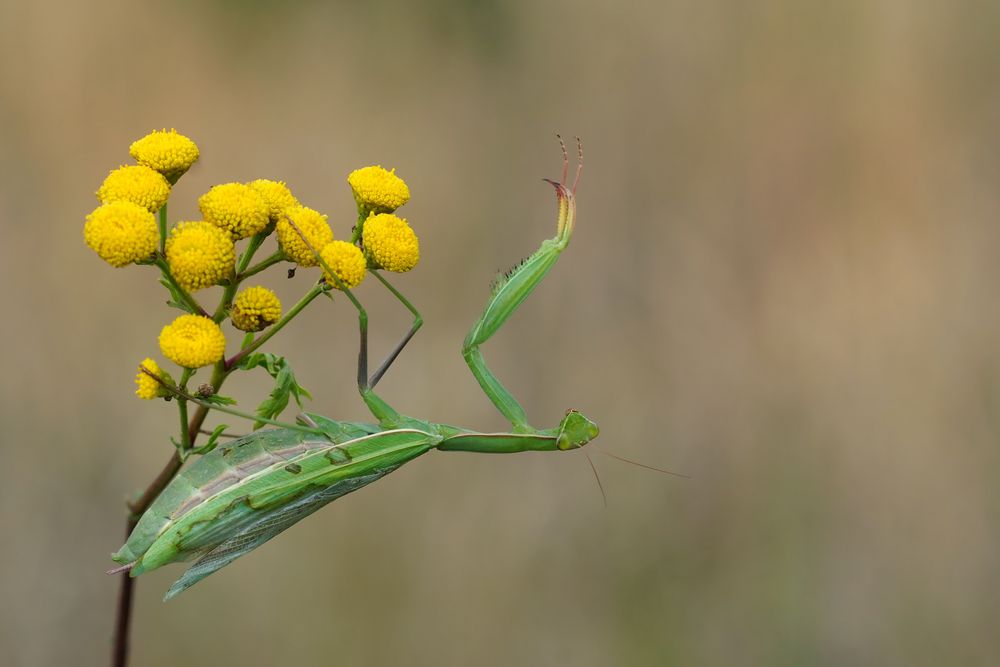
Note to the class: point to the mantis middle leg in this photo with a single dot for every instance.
(383, 412)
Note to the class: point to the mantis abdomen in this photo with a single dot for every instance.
(283, 477)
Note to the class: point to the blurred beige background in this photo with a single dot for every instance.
(783, 283)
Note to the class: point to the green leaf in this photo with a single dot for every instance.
(176, 300)
(213, 440)
(216, 399)
(285, 384)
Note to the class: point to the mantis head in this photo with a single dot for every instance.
(575, 431)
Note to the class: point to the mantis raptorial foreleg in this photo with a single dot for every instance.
(509, 292)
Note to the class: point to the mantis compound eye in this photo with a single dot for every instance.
(575, 430)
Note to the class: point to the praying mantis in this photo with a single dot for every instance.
(238, 496)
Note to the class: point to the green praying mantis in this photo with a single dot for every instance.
(238, 496)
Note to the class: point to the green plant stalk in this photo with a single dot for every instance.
(161, 262)
(186, 442)
(256, 241)
(162, 224)
(358, 228)
(184, 396)
(234, 283)
(271, 260)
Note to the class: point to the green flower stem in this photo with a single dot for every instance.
(234, 436)
(190, 300)
(162, 224)
(363, 214)
(255, 242)
(227, 295)
(318, 289)
(227, 298)
(182, 408)
(184, 396)
(219, 375)
(244, 273)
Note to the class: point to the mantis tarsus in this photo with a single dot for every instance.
(241, 494)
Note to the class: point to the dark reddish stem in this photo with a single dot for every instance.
(123, 615)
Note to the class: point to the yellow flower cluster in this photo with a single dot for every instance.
(346, 261)
(121, 233)
(192, 341)
(138, 184)
(237, 208)
(169, 153)
(314, 228)
(124, 230)
(390, 244)
(277, 195)
(255, 309)
(378, 190)
(147, 388)
(199, 254)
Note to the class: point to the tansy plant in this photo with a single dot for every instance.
(240, 494)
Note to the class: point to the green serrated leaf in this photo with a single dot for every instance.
(285, 385)
(176, 300)
(216, 399)
(213, 440)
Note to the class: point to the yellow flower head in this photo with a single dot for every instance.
(147, 388)
(313, 226)
(121, 233)
(255, 309)
(138, 184)
(169, 153)
(377, 190)
(346, 261)
(199, 254)
(276, 194)
(192, 341)
(390, 243)
(237, 208)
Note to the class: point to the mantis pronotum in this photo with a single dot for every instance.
(240, 495)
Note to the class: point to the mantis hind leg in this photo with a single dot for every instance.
(508, 294)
